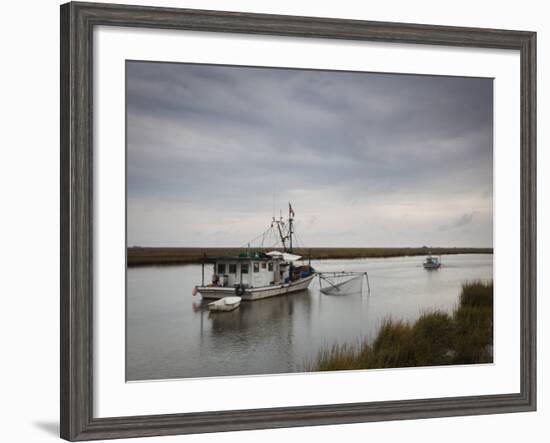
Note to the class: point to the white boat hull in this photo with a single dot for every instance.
(256, 293)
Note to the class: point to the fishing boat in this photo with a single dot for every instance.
(432, 262)
(225, 304)
(254, 274)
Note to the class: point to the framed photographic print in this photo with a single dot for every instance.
(273, 221)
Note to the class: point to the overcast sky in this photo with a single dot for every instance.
(366, 159)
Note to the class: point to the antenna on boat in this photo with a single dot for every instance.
(290, 220)
(203, 260)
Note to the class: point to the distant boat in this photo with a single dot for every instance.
(225, 304)
(432, 262)
(254, 275)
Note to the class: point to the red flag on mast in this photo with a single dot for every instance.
(290, 210)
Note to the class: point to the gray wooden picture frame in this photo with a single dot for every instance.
(77, 23)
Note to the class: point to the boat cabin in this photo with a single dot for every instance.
(255, 270)
(432, 262)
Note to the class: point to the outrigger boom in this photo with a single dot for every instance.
(338, 281)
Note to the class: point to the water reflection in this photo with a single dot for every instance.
(271, 314)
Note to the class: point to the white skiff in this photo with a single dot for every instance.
(225, 304)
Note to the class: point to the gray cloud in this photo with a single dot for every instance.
(460, 222)
(366, 159)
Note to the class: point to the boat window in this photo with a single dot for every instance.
(264, 265)
(270, 266)
(232, 268)
(221, 268)
(244, 268)
(256, 267)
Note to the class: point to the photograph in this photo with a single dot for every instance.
(283, 220)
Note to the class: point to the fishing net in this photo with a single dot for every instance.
(342, 286)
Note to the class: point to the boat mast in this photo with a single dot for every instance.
(283, 238)
(290, 231)
(290, 219)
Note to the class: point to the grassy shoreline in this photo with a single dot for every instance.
(436, 338)
(146, 256)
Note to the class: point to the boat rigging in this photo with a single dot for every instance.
(343, 282)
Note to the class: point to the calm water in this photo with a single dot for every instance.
(171, 334)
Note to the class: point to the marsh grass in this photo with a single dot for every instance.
(146, 256)
(436, 338)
